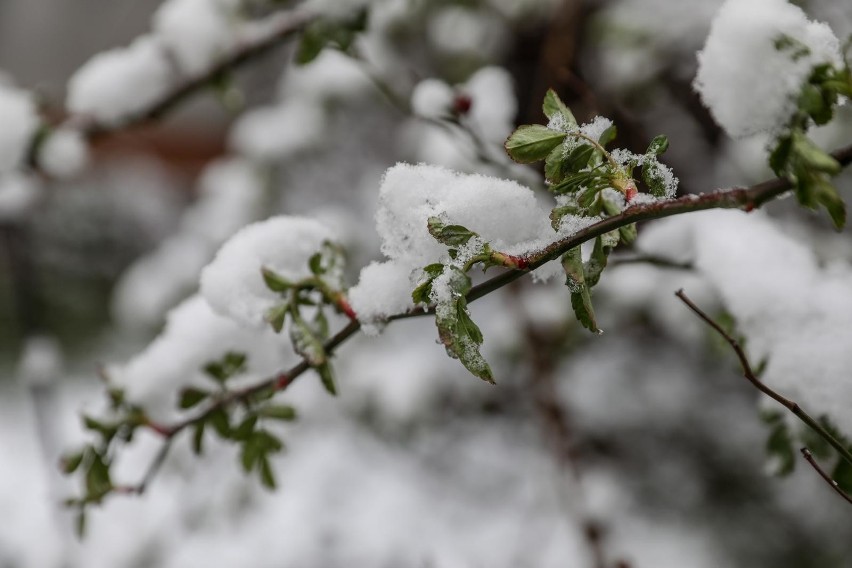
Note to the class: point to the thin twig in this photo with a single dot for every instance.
(658, 261)
(750, 375)
(809, 457)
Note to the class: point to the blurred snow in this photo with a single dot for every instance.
(749, 84)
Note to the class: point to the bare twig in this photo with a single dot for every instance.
(750, 375)
(658, 261)
(809, 457)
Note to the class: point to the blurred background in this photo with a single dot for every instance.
(642, 447)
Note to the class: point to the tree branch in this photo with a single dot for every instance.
(747, 198)
(265, 35)
(750, 375)
(809, 457)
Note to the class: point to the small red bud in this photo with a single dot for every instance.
(462, 104)
(630, 192)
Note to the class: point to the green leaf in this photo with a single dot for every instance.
(278, 412)
(198, 438)
(326, 375)
(557, 213)
(554, 165)
(315, 264)
(581, 301)
(98, 482)
(842, 474)
(779, 446)
(553, 106)
(274, 281)
(814, 102)
(813, 156)
(70, 462)
(573, 183)
(628, 233)
(218, 418)
(422, 293)
(329, 32)
(608, 136)
(579, 157)
(306, 343)
(268, 442)
(80, 523)
(597, 261)
(231, 364)
(459, 334)
(450, 235)
(652, 175)
(245, 429)
(658, 145)
(250, 453)
(828, 196)
(191, 396)
(107, 431)
(267, 477)
(533, 142)
(780, 155)
(276, 316)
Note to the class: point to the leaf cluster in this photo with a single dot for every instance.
(304, 304)
(331, 32)
(795, 156)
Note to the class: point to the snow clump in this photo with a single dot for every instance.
(504, 213)
(757, 57)
(117, 83)
(233, 283)
(194, 335)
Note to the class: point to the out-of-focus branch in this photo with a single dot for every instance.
(267, 34)
(809, 457)
(263, 36)
(752, 377)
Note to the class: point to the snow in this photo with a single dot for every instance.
(19, 123)
(332, 75)
(64, 153)
(194, 335)
(196, 32)
(494, 105)
(41, 361)
(461, 31)
(233, 283)
(122, 81)
(230, 196)
(18, 194)
(595, 128)
(384, 288)
(504, 213)
(793, 311)
(748, 84)
(159, 280)
(491, 119)
(432, 98)
(231, 193)
(274, 132)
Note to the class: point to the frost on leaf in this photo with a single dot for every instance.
(457, 331)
